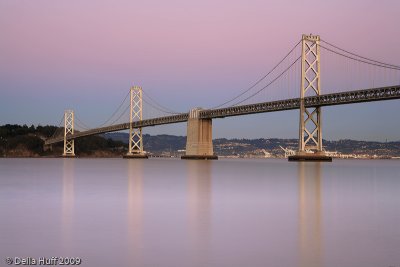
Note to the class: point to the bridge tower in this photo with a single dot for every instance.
(310, 128)
(135, 149)
(69, 144)
(199, 137)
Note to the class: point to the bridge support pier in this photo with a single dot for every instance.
(199, 137)
(310, 128)
(69, 144)
(135, 150)
(316, 156)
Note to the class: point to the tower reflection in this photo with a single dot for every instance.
(310, 214)
(135, 210)
(199, 203)
(68, 196)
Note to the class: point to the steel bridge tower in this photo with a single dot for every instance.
(310, 128)
(135, 149)
(69, 145)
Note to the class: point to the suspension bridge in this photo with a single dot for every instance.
(365, 80)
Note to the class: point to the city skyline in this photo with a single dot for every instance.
(85, 56)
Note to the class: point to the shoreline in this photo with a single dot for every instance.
(166, 157)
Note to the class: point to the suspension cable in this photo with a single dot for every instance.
(258, 81)
(364, 60)
(161, 107)
(82, 124)
(354, 54)
(123, 113)
(280, 75)
(116, 111)
(158, 108)
(58, 127)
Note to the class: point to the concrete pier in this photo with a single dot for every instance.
(303, 156)
(68, 156)
(199, 137)
(135, 156)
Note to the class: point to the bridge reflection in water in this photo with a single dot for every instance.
(68, 203)
(199, 192)
(310, 214)
(135, 211)
(166, 212)
(199, 214)
(196, 222)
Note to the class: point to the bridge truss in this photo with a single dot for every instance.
(352, 97)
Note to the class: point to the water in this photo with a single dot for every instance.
(165, 212)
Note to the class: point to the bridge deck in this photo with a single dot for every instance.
(359, 96)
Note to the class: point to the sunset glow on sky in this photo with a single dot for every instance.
(85, 55)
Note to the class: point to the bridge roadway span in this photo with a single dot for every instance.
(359, 96)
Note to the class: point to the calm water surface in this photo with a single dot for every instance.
(165, 212)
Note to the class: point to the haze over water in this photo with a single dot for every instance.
(166, 212)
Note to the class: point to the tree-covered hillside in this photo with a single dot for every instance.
(28, 141)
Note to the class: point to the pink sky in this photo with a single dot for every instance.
(184, 53)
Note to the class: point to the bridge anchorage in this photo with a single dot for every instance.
(199, 137)
(310, 128)
(135, 149)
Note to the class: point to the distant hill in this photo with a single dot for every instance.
(24, 141)
(28, 141)
(240, 147)
(157, 143)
